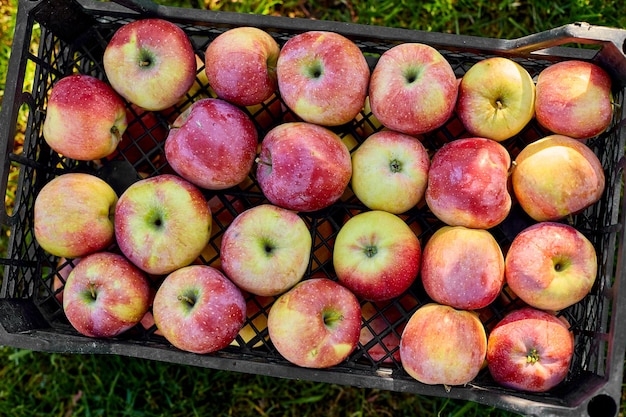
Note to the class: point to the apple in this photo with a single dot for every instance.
(198, 309)
(530, 350)
(240, 65)
(462, 267)
(162, 223)
(383, 323)
(443, 345)
(266, 250)
(390, 171)
(105, 295)
(551, 266)
(496, 99)
(212, 144)
(468, 183)
(303, 167)
(322, 77)
(85, 118)
(150, 62)
(574, 99)
(413, 89)
(316, 324)
(73, 215)
(376, 255)
(556, 176)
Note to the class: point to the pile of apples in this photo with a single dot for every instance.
(141, 255)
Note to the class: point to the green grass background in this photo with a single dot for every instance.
(41, 384)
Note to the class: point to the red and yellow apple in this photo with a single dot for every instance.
(162, 223)
(496, 99)
(556, 176)
(85, 118)
(413, 89)
(150, 62)
(198, 309)
(551, 266)
(266, 250)
(390, 171)
(574, 99)
(303, 166)
(322, 77)
(530, 350)
(73, 215)
(240, 65)
(468, 183)
(315, 324)
(462, 267)
(105, 295)
(443, 345)
(376, 255)
(212, 144)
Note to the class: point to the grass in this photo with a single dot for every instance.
(43, 384)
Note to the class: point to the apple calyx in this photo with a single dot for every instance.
(370, 251)
(412, 74)
(395, 166)
(532, 357)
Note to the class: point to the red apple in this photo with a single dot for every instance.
(413, 89)
(150, 62)
(212, 144)
(443, 345)
(198, 309)
(462, 267)
(551, 266)
(316, 324)
(162, 223)
(266, 250)
(390, 171)
(303, 167)
(468, 183)
(376, 255)
(73, 215)
(574, 99)
(323, 77)
(105, 295)
(496, 99)
(556, 176)
(530, 350)
(85, 118)
(240, 65)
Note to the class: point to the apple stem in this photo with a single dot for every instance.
(499, 104)
(533, 356)
(186, 299)
(92, 289)
(260, 161)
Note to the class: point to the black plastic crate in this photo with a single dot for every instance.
(73, 38)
